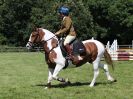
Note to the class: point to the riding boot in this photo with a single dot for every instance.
(69, 51)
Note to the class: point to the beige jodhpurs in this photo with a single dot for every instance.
(69, 39)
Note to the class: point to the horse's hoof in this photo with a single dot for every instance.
(67, 81)
(46, 88)
(91, 85)
(115, 80)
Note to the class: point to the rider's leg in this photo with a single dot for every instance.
(67, 41)
(69, 50)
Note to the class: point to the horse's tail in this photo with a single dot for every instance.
(108, 58)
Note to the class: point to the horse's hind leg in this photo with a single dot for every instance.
(105, 68)
(96, 72)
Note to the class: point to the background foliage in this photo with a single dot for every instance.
(102, 19)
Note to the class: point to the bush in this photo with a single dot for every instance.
(2, 39)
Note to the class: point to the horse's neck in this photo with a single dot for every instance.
(47, 34)
(50, 39)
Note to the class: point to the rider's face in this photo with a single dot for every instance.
(61, 15)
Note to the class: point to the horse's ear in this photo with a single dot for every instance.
(35, 29)
(35, 32)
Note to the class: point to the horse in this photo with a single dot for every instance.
(94, 51)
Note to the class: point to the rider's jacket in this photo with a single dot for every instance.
(67, 27)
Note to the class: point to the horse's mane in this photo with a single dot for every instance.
(48, 34)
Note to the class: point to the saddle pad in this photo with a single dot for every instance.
(78, 47)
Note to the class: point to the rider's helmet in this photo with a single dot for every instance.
(64, 10)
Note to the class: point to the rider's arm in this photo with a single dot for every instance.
(66, 26)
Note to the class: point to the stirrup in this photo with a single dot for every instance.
(67, 57)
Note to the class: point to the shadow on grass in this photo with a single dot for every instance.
(63, 85)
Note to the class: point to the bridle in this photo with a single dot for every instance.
(38, 44)
(33, 43)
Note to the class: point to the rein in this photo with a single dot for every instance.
(50, 38)
(44, 41)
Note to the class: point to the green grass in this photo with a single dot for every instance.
(23, 75)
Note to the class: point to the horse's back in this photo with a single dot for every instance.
(99, 45)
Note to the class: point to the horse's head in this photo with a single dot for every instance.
(35, 38)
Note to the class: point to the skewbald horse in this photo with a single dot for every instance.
(95, 50)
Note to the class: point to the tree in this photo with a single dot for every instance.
(121, 20)
(102, 19)
(16, 15)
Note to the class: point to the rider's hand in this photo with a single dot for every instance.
(57, 33)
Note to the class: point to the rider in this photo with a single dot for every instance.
(66, 29)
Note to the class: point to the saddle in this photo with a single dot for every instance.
(77, 48)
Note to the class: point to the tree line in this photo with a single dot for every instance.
(105, 20)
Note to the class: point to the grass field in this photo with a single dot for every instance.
(23, 75)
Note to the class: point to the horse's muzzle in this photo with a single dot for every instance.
(29, 45)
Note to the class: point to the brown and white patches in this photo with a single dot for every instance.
(52, 56)
(48, 61)
(54, 43)
(41, 33)
(45, 47)
(37, 35)
(90, 56)
(92, 50)
(50, 52)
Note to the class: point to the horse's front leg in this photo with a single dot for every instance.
(50, 77)
(57, 69)
(53, 74)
